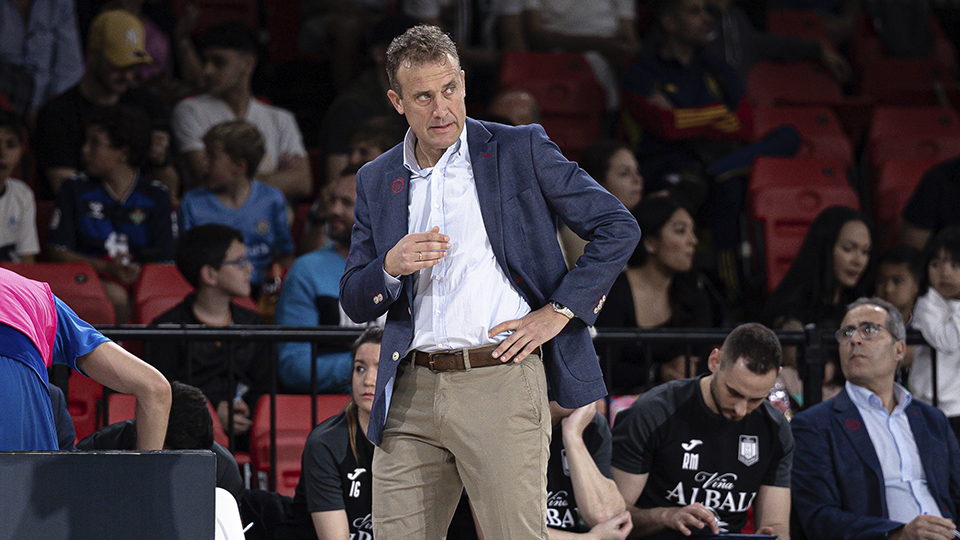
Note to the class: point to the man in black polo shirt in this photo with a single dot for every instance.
(933, 205)
(692, 456)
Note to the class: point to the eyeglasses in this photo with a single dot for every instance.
(868, 331)
(240, 262)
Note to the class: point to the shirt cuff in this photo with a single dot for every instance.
(393, 285)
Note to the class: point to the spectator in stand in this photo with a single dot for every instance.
(515, 107)
(231, 196)
(110, 215)
(933, 205)
(900, 272)
(833, 267)
(213, 259)
(42, 36)
(189, 428)
(336, 29)
(937, 316)
(364, 98)
(658, 289)
(230, 56)
(18, 209)
(115, 51)
(741, 45)
(613, 165)
(334, 496)
(311, 296)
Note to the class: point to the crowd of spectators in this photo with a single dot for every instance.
(155, 140)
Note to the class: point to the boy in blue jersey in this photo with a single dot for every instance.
(230, 196)
(110, 215)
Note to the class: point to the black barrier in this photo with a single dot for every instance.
(813, 344)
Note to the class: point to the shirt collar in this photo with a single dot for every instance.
(410, 156)
(865, 399)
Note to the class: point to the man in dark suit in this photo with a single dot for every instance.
(872, 462)
(455, 240)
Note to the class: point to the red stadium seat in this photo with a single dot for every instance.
(571, 100)
(282, 19)
(293, 427)
(161, 287)
(820, 131)
(890, 81)
(802, 23)
(84, 404)
(77, 284)
(866, 45)
(800, 83)
(896, 182)
(926, 133)
(797, 172)
(783, 214)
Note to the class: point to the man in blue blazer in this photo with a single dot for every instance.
(455, 240)
(874, 463)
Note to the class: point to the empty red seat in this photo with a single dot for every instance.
(908, 82)
(84, 404)
(896, 182)
(795, 22)
(806, 83)
(293, 427)
(77, 284)
(821, 133)
(571, 100)
(929, 133)
(161, 280)
(813, 172)
(783, 215)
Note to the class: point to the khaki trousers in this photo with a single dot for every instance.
(487, 429)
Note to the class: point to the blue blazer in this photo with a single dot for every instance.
(525, 186)
(837, 484)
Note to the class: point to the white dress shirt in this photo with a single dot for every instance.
(456, 302)
(908, 494)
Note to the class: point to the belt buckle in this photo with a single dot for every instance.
(430, 360)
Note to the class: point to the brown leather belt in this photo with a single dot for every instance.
(459, 360)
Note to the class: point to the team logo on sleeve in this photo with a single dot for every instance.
(263, 227)
(95, 210)
(138, 216)
(749, 450)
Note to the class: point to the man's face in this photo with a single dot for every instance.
(365, 364)
(226, 70)
(689, 23)
(11, 151)
(340, 198)
(112, 79)
(99, 156)
(233, 276)
(873, 362)
(222, 172)
(737, 391)
(433, 103)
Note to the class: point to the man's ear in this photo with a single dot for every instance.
(396, 100)
(208, 275)
(713, 361)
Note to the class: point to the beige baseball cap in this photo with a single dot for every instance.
(120, 36)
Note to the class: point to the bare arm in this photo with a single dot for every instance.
(292, 177)
(598, 499)
(114, 367)
(771, 511)
(647, 521)
(616, 528)
(331, 525)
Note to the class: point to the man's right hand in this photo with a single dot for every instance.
(693, 516)
(416, 251)
(925, 527)
(616, 528)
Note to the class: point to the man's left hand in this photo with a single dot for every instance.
(533, 330)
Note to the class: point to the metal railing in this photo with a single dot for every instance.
(812, 344)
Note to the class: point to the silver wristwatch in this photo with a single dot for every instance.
(562, 309)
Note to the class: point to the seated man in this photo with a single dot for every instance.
(214, 260)
(189, 428)
(692, 456)
(873, 462)
(230, 56)
(932, 206)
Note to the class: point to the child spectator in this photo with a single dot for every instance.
(230, 196)
(937, 316)
(110, 215)
(214, 260)
(18, 208)
(899, 274)
(374, 137)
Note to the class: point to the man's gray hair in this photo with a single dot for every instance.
(894, 322)
(417, 46)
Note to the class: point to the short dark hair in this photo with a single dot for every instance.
(234, 35)
(11, 121)
(383, 132)
(756, 344)
(906, 255)
(190, 426)
(417, 46)
(127, 126)
(947, 240)
(240, 140)
(203, 245)
(373, 334)
(595, 159)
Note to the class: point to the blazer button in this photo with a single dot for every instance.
(396, 356)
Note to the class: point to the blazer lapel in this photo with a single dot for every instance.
(395, 208)
(851, 423)
(925, 447)
(486, 176)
